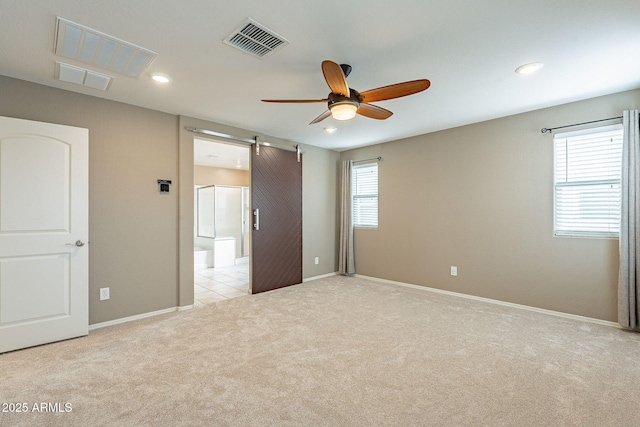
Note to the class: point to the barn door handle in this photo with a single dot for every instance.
(78, 243)
(256, 219)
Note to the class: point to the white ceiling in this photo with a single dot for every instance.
(469, 51)
(220, 154)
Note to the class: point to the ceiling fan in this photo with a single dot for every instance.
(344, 103)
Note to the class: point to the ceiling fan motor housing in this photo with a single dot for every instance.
(354, 98)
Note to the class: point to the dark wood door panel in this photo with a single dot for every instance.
(276, 185)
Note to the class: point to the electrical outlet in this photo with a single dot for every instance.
(104, 294)
(454, 270)
(317, 261)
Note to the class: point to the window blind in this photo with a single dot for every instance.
(587, 182)
(365, 195)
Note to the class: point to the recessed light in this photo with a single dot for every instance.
(160, 78)
(330, 129)
(532, 67)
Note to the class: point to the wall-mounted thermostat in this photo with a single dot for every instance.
(164, 185)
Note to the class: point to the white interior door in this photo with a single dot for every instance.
(43, 233)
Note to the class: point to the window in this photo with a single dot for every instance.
(364, 191)
(587, 182)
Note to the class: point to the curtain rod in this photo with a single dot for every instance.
(368, 160)
(548, 130)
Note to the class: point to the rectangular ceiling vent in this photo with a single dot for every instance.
(255, 39)
(81, 76)
(75, 41)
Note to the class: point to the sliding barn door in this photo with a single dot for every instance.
(276, 199)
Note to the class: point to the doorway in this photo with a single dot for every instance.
(221, 221)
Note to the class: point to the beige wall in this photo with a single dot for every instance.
(319, 205)
(135, 232)
(206, 175)
(480, 197)
(132, 227)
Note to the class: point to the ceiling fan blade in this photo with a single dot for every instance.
(298, 101)
(335, 78)
(373, 112)
(395, 91)
(321, 117)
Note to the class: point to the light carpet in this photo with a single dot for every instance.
(333, 352)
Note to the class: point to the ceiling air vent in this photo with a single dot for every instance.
(81, 76)
(255, 39)
(80, 43)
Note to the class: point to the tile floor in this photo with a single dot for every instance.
(218, 284)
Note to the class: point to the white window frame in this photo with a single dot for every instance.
(587, 175)
(364, 196)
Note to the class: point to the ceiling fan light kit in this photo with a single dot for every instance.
(344, 103)
(343, 110)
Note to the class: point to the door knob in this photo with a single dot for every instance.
(78, 243)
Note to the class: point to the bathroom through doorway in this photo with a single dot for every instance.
(222, 221)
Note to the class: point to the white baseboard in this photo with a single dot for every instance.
(391, 282)
(497, 302)
(137, 317)
(323, 276)
(174, 309)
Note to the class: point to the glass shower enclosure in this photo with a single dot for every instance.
(224, 212)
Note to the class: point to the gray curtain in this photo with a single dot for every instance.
(628, 297)
(346, 264)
